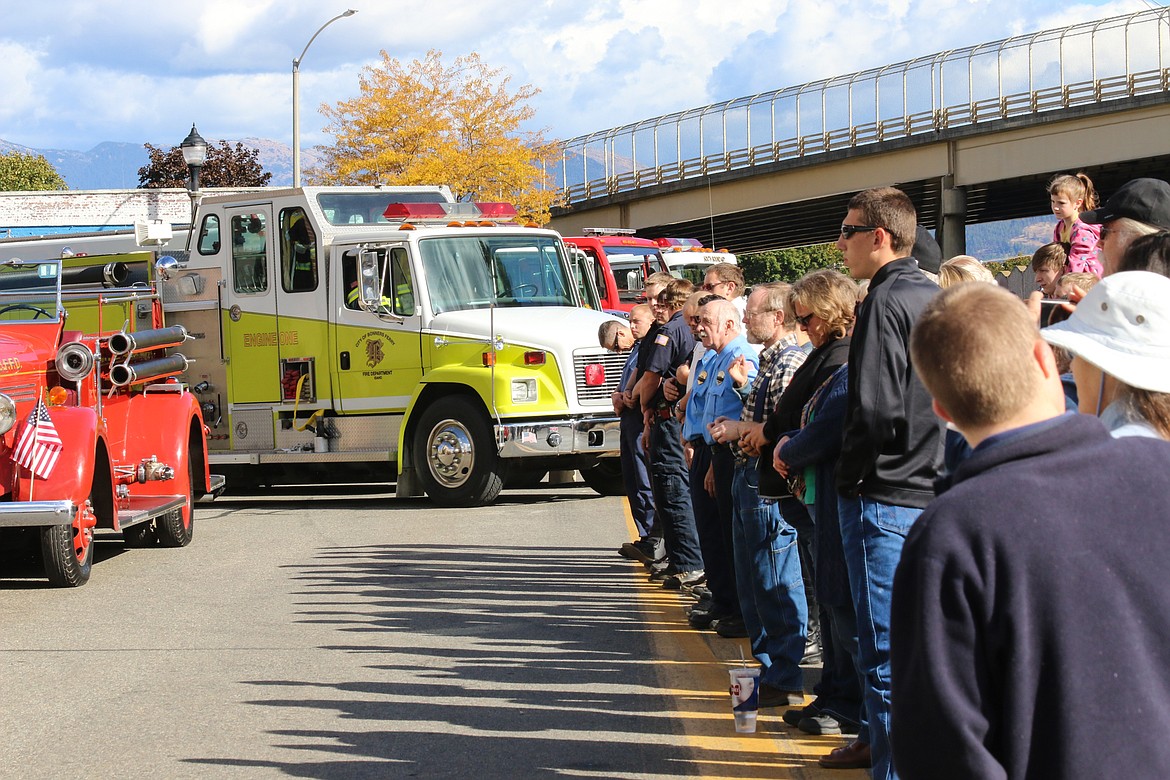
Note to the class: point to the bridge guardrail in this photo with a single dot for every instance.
(1126, 58)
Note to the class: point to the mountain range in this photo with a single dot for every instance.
(112, 165)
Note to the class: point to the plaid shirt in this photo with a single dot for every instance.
(778, 363)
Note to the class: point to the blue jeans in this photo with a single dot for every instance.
(842, 697)
(873, 534)
(771, 590)
(636, 473)
(672, 496)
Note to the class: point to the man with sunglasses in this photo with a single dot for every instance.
(892, 445)
(726, 281)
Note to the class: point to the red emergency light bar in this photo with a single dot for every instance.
(446, 212)
(497, 210)
(678, 242)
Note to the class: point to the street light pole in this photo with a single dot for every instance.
(296, 97)
(194, 150)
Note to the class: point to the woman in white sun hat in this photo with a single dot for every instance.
(1119, 336)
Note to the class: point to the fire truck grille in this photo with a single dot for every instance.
(597, 375)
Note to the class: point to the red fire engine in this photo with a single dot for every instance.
(96, 432)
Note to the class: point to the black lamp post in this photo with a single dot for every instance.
(194, 154)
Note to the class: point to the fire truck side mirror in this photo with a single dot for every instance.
(369, 280)
(634, 281)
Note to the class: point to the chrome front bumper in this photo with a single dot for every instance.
(17, 514)
(590, 436)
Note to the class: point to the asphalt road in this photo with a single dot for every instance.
(340, 633)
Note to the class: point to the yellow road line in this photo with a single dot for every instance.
(692, 668)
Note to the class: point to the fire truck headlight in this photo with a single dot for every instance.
(523, 391)
(7, 414)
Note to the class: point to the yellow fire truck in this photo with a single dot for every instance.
(389, 333)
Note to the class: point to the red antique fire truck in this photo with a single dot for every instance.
(96, 432)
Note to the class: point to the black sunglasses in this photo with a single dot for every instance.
(848, 231)
(803, 321)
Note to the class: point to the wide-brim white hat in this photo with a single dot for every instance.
(1122, 326)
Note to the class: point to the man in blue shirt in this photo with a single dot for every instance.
(714, 396)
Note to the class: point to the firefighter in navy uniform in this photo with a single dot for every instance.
(667, 349)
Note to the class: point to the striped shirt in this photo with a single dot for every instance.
(777, 365)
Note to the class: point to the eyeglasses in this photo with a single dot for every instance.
(847, 231)
(1109, 231)
(803, 321)
(711, 287)
(756, 312)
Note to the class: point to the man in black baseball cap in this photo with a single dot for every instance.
(1138, 208)
(927, 252)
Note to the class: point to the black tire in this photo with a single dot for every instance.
(605, 477)
(67, 552)
(455, 454)
(172, 530)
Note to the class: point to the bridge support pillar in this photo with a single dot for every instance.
(952, 228)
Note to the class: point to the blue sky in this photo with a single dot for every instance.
(77, 73)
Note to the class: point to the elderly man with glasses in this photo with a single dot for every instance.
(1139, 208)
(767, 564)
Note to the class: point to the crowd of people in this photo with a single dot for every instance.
(899, 475)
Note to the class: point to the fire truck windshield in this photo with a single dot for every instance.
(29, 291)
(475, 272)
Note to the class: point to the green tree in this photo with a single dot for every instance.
(425, 123)
(1008, 266)
(788, 265)
(21, 172)
(226, 166)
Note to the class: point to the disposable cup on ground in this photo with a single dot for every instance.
(745, 698)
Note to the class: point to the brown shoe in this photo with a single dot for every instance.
(855, 755)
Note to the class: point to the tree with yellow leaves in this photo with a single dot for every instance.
(425, 123)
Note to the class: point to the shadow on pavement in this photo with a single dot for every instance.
(493, 662)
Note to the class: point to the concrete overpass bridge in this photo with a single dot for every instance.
(972, 135)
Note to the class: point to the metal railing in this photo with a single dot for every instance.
(1110, 59)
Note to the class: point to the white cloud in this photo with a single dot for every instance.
(19, 66)
(78, 72)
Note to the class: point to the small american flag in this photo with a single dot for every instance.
(39, 445)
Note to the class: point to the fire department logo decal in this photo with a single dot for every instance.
(374, 344)
(374, 352)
